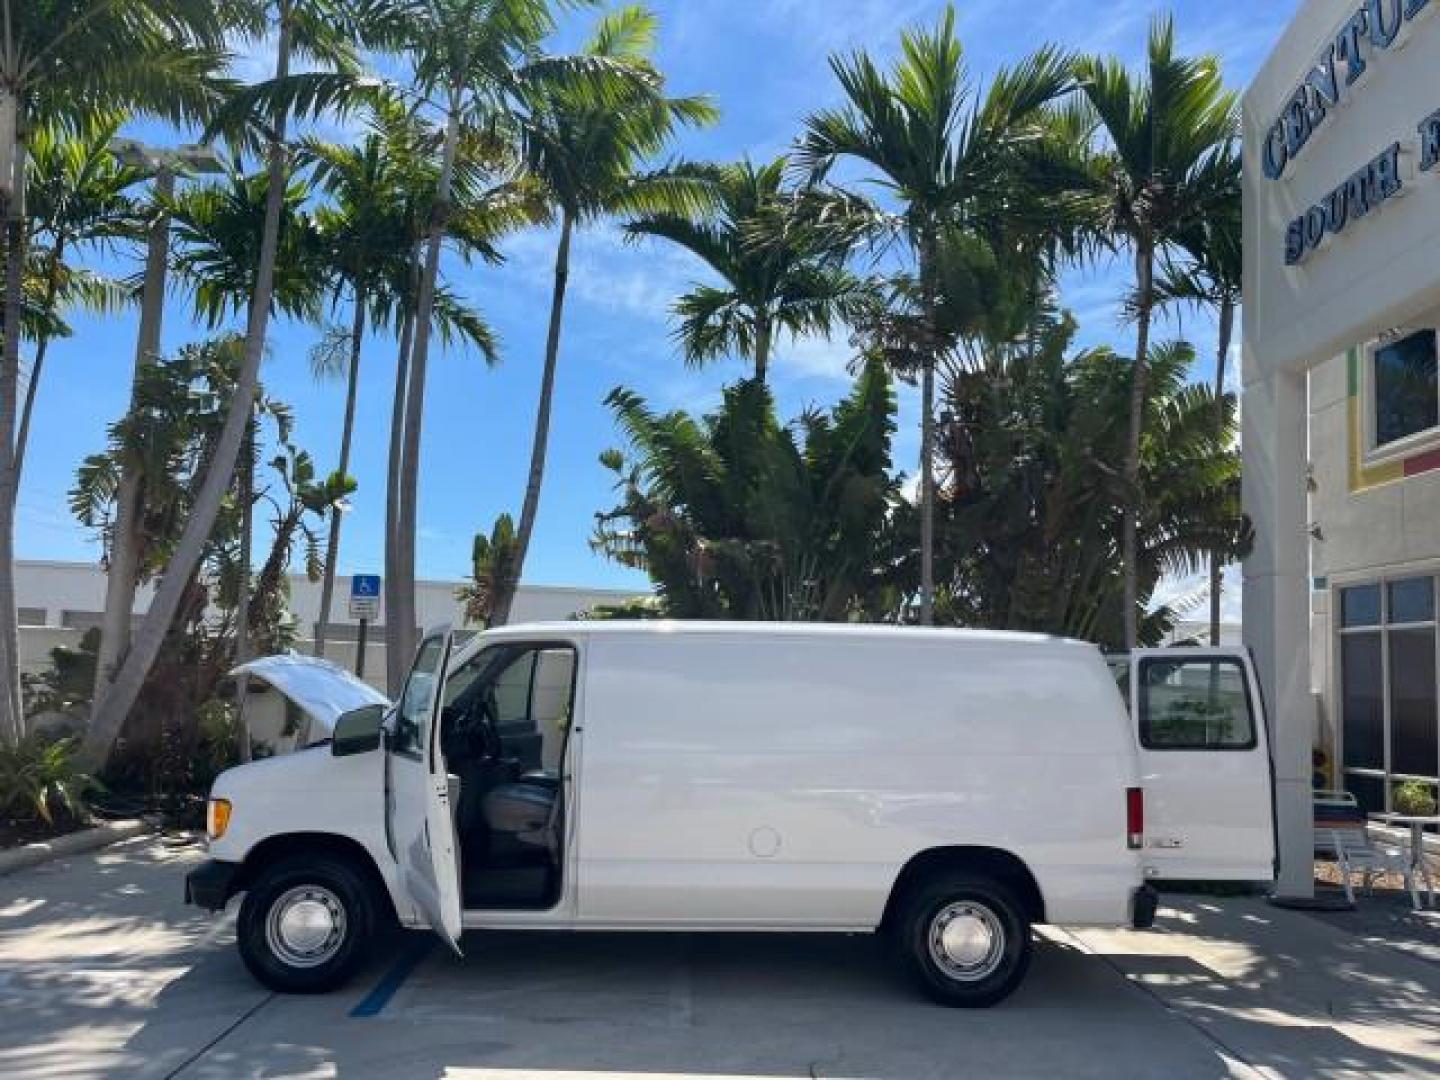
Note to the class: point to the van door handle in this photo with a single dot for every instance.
(1167, 843)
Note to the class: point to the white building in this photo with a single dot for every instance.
(1342, 411)
(58, 601)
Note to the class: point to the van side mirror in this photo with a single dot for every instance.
(357, 731)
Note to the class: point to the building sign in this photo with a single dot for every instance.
(1363, 191)
(1374, 28)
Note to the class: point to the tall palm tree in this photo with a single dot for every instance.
(365, 234)
(942, 152)
(1169, 133)
(776, 278)
(216, 227)
(77, 199)
(65, 61)
(1211, 276)
(478, 59)
(586, 154)
(330, 40)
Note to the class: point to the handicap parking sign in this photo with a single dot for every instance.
(364, 596)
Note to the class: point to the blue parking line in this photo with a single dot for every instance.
(374, 1002)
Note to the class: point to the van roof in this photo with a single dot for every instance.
(699, 627)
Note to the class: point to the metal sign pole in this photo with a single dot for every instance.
(364, 606)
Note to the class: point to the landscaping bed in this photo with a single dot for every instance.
(18, 832)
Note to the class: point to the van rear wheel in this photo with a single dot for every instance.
(305, 924)
(965, 939)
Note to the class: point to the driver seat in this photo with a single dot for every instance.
(526, 812)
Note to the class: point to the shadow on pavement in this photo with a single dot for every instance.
(558, 1006)
(104, 972)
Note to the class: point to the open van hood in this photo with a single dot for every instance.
(322, 688)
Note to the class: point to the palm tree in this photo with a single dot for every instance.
(491, 561)
(366, 233)
(1033, 510)
(478, 58)
(1212, 278)
(1170, 136)
(64, 61)
(585, 152)
(216, 227)
(776, 277)
(76, 199)
(734, 515)
(942, 152)
(267, 108)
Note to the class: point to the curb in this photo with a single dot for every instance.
(76, 843)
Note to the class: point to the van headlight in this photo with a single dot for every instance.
(217, 818)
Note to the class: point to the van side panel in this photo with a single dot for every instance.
(734, 781)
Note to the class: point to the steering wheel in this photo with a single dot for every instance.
(486, 728)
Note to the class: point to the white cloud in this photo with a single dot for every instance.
(608, 272)
(813, 358)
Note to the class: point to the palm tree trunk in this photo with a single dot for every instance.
(1139, 387)
(37, 366)
(400, 633)
(332, 542)
(12, 722)
(394, 661)
(114, 705)
(763, 334)
(927, 434)
(123, 569)
(242, 597)
(509, 583)
(1227, 328)
(22, 437)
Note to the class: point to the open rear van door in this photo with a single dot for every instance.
(418, 802)
(1204, 765)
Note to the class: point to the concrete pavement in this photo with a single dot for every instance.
(104, 972)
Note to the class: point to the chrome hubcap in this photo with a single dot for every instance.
(967, 941)
(306, 926)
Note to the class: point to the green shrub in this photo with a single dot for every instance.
(1414, 797)
(38, 776)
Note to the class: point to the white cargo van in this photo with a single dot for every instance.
(951, 788)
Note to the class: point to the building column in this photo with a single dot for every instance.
(1277, 605)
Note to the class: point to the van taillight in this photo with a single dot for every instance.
(1135, 817)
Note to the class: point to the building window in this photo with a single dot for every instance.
(1388, 666)
(1405, 392)
(81, 620)
(31, 616)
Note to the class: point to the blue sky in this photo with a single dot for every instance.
(764, 63)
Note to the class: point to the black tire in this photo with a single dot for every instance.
(986, 964)
(311, 889)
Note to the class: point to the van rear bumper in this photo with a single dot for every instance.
(1143, 903)
(211, 884)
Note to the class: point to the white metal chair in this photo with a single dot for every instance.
(1357, 853)
(1333, 808)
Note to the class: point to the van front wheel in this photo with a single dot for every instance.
(304, 924)
(965, 939)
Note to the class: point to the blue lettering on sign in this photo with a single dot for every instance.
(1363, 191)
(1430, 141)
(1374, 27)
